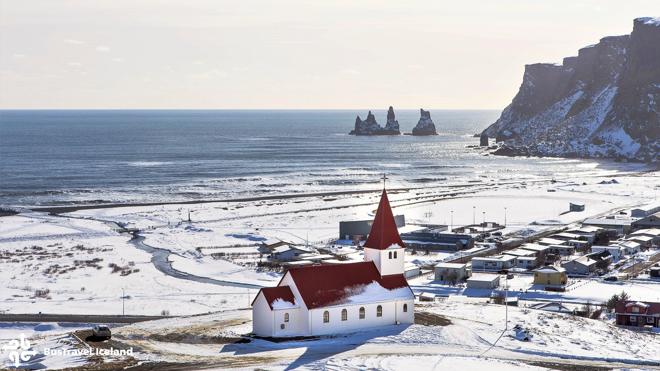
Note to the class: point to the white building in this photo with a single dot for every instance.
(451, 271)
(614, 250)
(483, 281)
(493, 263)
(335, 298)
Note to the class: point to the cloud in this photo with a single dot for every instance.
(73, 41)
(74, 64)
(18, 55)
(118, 60)
(214, 73)
(102, 49)
(350, 71)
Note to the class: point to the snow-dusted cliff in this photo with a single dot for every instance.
(602, 103)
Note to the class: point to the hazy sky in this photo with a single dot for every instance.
(289, 54)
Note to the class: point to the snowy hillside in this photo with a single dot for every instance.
(601, 103)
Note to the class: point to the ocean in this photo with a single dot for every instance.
(65, 157)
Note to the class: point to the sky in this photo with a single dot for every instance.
(290, 54)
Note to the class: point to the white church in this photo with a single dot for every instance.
(334, 298)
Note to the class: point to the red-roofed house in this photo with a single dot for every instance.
(638, 313)
(333, 298)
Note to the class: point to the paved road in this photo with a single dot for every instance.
(159, 258)
(75, 318)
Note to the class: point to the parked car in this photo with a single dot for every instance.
(101, 331)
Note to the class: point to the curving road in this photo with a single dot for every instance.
(159, 258)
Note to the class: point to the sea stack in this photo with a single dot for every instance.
(425, 125)
(371, 127)
(392, 125)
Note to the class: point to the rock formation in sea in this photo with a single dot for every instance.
(392, 124)
(425, 125)
(371, 127)
(604, 102)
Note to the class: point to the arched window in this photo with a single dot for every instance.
(389, 255)
(344, 315)
(379, 311)
(326, 317)
(361, 312)
(286, 317)
(405, 307)
(395, 255)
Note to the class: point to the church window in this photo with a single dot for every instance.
(395, 255)
(344, 315)
(362, 314)
(286, 317)
(405, 307)
(326, 317)
(379, 311)
(390, 255)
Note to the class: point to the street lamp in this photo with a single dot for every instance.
(505, 216)
(474, 215)
(483, 224)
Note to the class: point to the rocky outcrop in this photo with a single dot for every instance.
(392, 124)
(604, 102)
(425, 125)
(371, 127)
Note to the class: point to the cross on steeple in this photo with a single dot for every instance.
(384, 178)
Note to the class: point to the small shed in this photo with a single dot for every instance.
(483, 281)
(576, 206)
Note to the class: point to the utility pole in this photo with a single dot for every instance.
(505, 216)
(483, 224)
(474, 215)
(451, 222)
(506, 301)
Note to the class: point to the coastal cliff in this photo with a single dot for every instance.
(604, 102)
(370, 125)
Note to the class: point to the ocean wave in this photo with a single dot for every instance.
(148, 163)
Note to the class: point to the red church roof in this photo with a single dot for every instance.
(273, 293)
(328, 284)
(384, 232)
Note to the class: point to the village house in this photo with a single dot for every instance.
(540, 250)
(483, 281)
(527, 262)
(451, 272)
(583, 265)
(334, 298)
(614, 250)
(548, 241)
(651, 232)
(651, 221)
(645, 210)
(433, 239)
(550, 277)
(622, 225)
(645, 242)
(493, 263)
(638, 314)
(588, 232)
(561, 250)
(630, 247)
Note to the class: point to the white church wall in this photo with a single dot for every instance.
(262, 317)
(297, 325)
(353, 322)
(407, 317)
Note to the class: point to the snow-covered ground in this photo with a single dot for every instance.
(71, 255)
(475, 338)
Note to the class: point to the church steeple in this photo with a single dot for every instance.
(384, 246)
(384, 232)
